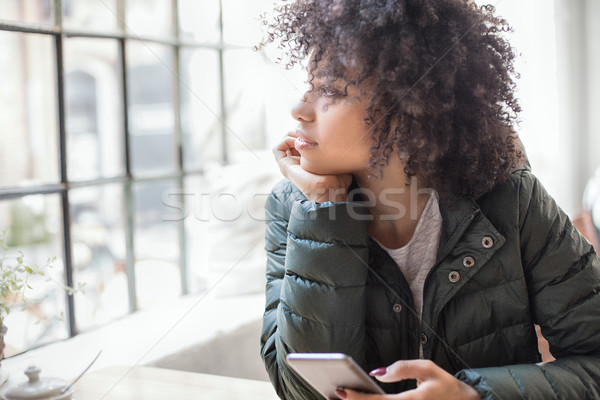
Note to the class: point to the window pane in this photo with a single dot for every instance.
(241, 21)
(151, 117)
(156, 243)
(90, 15)
(98, 237)
(34, 224)
(149, 17)
(29, 142)
(94, 109)
(244, 100)
(199, 20)
(34, 11)
(225, 226)
(200, 107)
(196, 216)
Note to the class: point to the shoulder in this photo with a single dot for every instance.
(514, 197)
(521, 184)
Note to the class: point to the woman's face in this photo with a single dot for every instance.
(332, 135)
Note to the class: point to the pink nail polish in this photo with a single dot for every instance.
(378, 372)
(341, 393)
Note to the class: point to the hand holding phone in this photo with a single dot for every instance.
(326, 372)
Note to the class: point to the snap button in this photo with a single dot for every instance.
(424, 338)
(468, 261)
(487, 242)
(454, 276)
(397, 307)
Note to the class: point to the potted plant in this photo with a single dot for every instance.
(15, 273)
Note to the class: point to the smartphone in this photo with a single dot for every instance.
(326, 372)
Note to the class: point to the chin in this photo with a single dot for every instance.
(319, 169)
(313, 168)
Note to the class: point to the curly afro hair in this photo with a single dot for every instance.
(440, 77)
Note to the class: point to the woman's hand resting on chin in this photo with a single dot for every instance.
(433, 383)
(319, 188)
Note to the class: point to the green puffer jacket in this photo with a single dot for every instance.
(506, 261)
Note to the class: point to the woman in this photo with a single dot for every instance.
(410, 234)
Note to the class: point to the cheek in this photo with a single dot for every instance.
(350, 149)
(355, 146)
(345, 138)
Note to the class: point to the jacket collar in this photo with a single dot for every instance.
(464, 226)
(456, 216)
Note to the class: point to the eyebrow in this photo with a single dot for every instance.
(330, 77)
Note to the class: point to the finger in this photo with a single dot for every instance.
(281, 150)
(284, 145)
(410, 369)
(288, 143)
(412, 394)
(354, 395)
(284, 162)
(294, 152)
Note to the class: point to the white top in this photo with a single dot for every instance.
(416, 258)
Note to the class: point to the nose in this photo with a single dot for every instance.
(303, 111)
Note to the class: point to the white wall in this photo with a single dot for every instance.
(592, 33)
(559, 90)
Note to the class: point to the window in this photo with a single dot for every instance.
(112, 114)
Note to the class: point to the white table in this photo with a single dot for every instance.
(149, 383)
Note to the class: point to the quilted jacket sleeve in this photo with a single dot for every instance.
(316, 276)
(563, 277)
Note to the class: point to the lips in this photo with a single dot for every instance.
(303, 142)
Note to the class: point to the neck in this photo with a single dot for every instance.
(397, 203)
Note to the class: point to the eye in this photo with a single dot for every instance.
(329, 91)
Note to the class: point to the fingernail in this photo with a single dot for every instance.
(378, 372)
(341, 393)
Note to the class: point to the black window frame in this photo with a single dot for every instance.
(128, 180)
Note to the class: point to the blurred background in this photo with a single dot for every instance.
(135, 142)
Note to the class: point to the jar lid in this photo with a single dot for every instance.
(37, 388)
